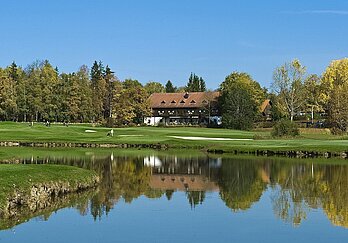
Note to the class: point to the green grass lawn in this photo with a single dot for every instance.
(21, 178)
(313, 140)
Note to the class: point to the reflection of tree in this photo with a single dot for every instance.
(297, 187)
(195, 197)
(290, 200)
(240, 184)
(153, 193)
(305, 186)
(287, 209)
(127, 179)
(335, 203)
(169, 194)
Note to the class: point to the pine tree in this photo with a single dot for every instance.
(169, 87)
(109, 79)
(202, 85)
(99, 89)
(195, 84)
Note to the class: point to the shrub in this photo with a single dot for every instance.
(285, 128)
(337, 131)
(109, 122)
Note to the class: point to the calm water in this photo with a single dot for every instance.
(174, 198)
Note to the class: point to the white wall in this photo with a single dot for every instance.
(152, 121)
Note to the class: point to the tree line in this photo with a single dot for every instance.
(40, 92)
(294, 94)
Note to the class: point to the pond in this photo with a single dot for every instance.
(178, 197)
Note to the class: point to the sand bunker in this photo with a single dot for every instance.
(130, 135)
(213, 139)
(90, 131)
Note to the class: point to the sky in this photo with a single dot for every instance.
(160, 40)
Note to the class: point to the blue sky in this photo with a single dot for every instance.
(161, 39)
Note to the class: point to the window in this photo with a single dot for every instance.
(193, 102)
(163, 102)
(173, 102)
(182, 102)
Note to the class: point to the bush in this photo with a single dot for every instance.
(285, 128)
(337, 131)
(109, 122)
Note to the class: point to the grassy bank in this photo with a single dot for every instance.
(19, 179)
(309, 140)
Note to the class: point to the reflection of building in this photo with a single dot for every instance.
(183, 174)
(182, 183)
(152, 161)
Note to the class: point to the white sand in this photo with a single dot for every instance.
(130, 135)
(214, 139)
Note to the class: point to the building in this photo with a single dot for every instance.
(191, 109)
(184, 108)
(265, 110)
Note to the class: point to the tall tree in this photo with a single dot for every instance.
(49, 97)
(288, 82)
(8, 106)
(99, 89)
(240, 99)
(42, 81)
(335, 79)
(313, 94)
(85, 112)
(169, 87)
(154, 87)
(110, 78)
(130, 102)
(195, 84)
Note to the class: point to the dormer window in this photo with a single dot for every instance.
(205, 102)
(182, 102)
(163, 102)
(186, 95)
(193, 102)
(173, 102)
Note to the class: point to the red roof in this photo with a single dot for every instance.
(182, 100)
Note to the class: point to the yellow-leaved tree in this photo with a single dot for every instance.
(335, 94)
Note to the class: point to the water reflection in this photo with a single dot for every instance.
(295, 188)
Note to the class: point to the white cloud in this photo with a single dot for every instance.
(333, 12)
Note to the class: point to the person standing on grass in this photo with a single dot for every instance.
(112, 132)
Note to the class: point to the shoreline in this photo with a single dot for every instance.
(27, 193)
(291, 152)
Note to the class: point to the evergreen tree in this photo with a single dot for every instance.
(169, 87)
(109, 79)
(99, 90)
(195, 84)
(202, 85)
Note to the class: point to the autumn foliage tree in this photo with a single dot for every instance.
(335, 79)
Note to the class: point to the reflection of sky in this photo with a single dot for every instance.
(160, 220)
